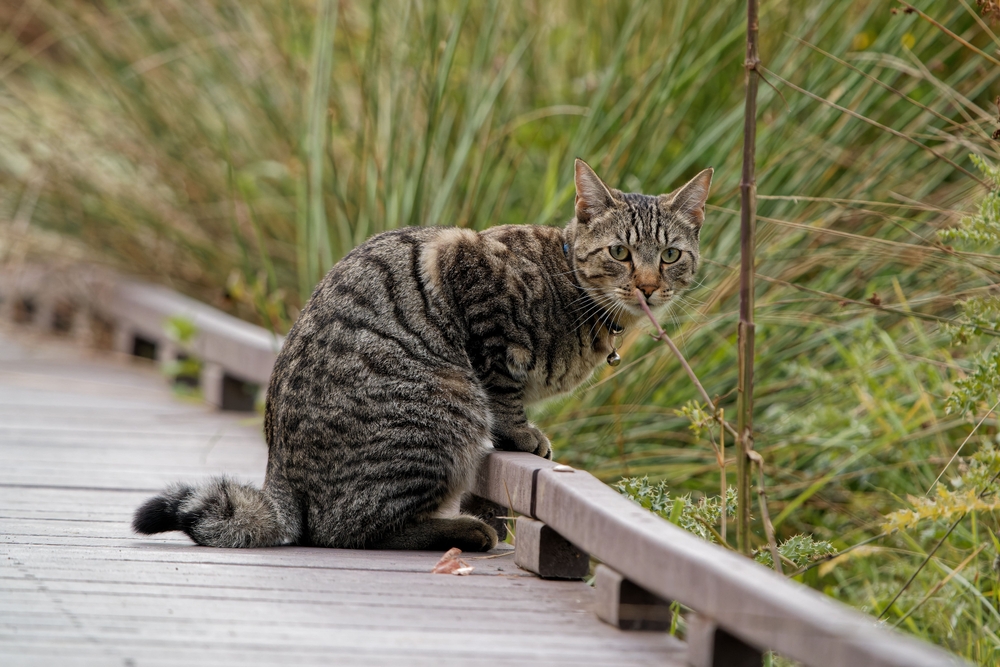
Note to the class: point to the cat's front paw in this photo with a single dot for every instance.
(524, 439)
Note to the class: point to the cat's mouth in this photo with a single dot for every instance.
(626, 301)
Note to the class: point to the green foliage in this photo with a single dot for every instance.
(983, 228)
(799, 550)
(696, 413)
(702, 516)
(180, 329)
(977, 314)
(185, 370)
(695, 516)
(982, 383)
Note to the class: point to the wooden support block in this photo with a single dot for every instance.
(64, 313)
(167, 352)
(44, 314)
(23, 308)
(212, 376)
(225, 391)
(124, 339)
(539, 549)
(82, 328)
(238, 395)
(711, 646)
(10, 304)
(627, 606)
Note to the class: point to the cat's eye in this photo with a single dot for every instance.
(619, 252)
(670, 255)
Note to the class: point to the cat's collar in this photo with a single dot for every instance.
(615, 330)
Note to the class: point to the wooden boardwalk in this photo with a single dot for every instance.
(84, 439)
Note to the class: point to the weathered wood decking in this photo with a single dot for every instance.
(84, 439)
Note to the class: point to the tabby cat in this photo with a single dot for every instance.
(418, 352)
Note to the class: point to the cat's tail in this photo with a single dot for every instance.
(221, 513)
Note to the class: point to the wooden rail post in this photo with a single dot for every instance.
(747, 601)
(626, 605)
(711, 646)
(82, 327)
(539, 549)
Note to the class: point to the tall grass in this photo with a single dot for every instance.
(236, 150)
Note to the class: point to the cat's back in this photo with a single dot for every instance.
(376, 287)
(412, 297)
(427, 271)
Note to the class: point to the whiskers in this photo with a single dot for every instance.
(597, 322)
(689, 305)
(589, 305)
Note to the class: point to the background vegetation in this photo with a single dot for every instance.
(236, 150)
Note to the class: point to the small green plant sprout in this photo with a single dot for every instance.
(798, 550)
(184, 371)
(700, 419)
(981, 314)
(695, 516)
(180, 329)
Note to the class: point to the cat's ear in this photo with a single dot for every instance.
(592, 196)
(689, 200)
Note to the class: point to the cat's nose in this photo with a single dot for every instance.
(647, 289)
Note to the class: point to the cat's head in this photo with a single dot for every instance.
(621, 241)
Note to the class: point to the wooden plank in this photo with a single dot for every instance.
(752, 602)
(354, 611)
(427, 640)
(151, 482)
(368, 649)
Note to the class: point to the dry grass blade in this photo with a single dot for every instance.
(962, 446)
(880, 126)
(941, 584)
(869, 305)
(898, 93)
(950, 34)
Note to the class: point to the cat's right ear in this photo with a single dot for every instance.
(592, 196)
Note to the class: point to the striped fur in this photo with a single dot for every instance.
(417, 351)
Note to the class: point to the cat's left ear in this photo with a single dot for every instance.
(689, 201)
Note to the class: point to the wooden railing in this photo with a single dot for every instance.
(734, 597)
(235, 357)
(739, 608)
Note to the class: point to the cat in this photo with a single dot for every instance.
(416, 355)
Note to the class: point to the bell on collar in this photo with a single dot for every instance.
(614, 358)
